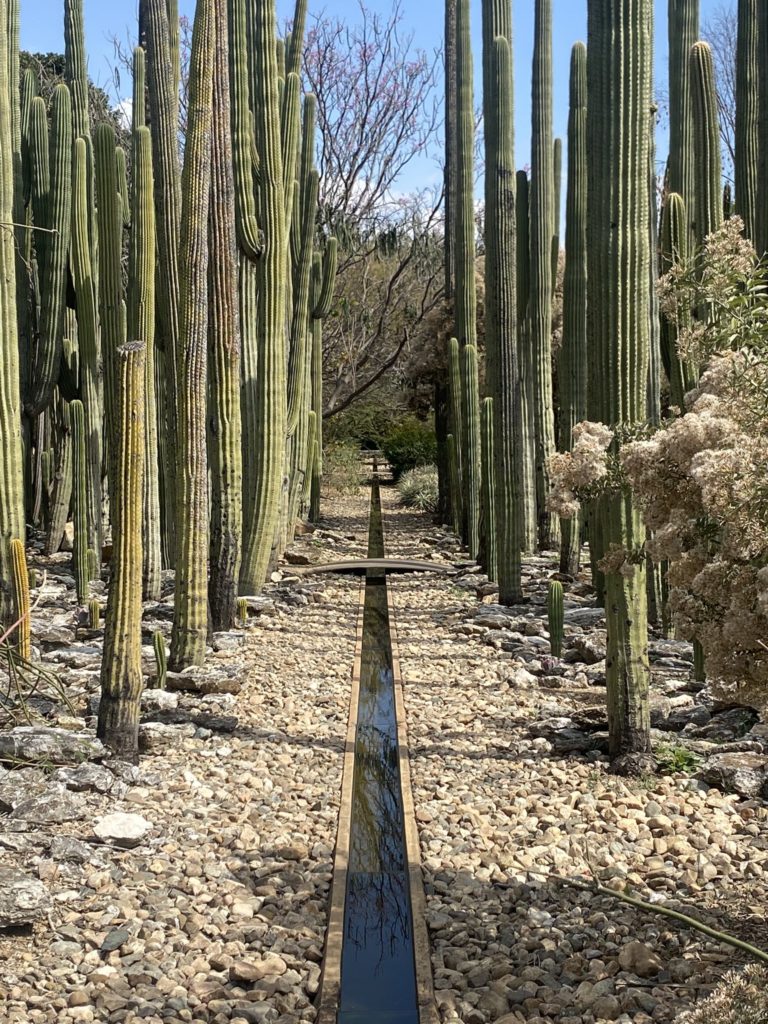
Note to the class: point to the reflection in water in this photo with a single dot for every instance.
(378, 978)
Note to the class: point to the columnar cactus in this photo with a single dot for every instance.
(121, 676)
(225, 434)
(94, 613)
(81, 260)
(555, 617)
(11, 457)
(190, 610)
(161, 660)
(80, 501)
(21, 602)
(619, 99)
(53, 284)
(488, 491)
(572, 374)
(529, 535)
(162, 60)
(747, 156)
(265, 370)
(471, 456)
(674, 251)
(455, 427)
(141, 326)
(761, 232)
(683, 31)
(501, 342)
(709, 166)
(323, 279)
(542, 219)
(466, 291)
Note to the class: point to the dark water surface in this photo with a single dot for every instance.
(378, 974)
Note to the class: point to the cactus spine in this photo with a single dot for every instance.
(21, 602)
(190, 611)
(466, 297)
(747, 156)
(542, 220)
(11, 473)
(121, 676)
(573, 354)
(266, 388)
(683, 31)
(224, 435)
(555, 617)
(502, 363)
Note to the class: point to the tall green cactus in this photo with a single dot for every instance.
(190, 610)
(471, 456)
(323, 279)
(619, 99)
(52, 310)
(747, 155)
(542, 219)
(80, 501)
(121, 676)
(11, 455)
(683, 31)
(488, 491)
(501, 342)
(158, 18)
(709, 165)
(466, 288)
(761, 231)
(265, 369)
(572, 373)
(225, 434)
(455, 424)
(529, 527)
(674, 252)
(141, 327)
(81, 264)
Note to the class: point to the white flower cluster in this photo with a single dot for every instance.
(574, 473)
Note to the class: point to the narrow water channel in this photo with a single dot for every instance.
(378, 974)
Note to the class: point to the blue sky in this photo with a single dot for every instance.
(41, 29)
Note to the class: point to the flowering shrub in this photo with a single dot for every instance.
(701, 480)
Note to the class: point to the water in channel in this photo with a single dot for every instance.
(378, 973)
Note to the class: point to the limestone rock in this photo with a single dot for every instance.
(39, 744)
(23, 899)
(122, 829)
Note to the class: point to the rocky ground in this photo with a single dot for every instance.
(194, 887)
(512, 792)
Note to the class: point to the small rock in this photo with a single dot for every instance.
(23, 899)
(639, 959)
(125, 830)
